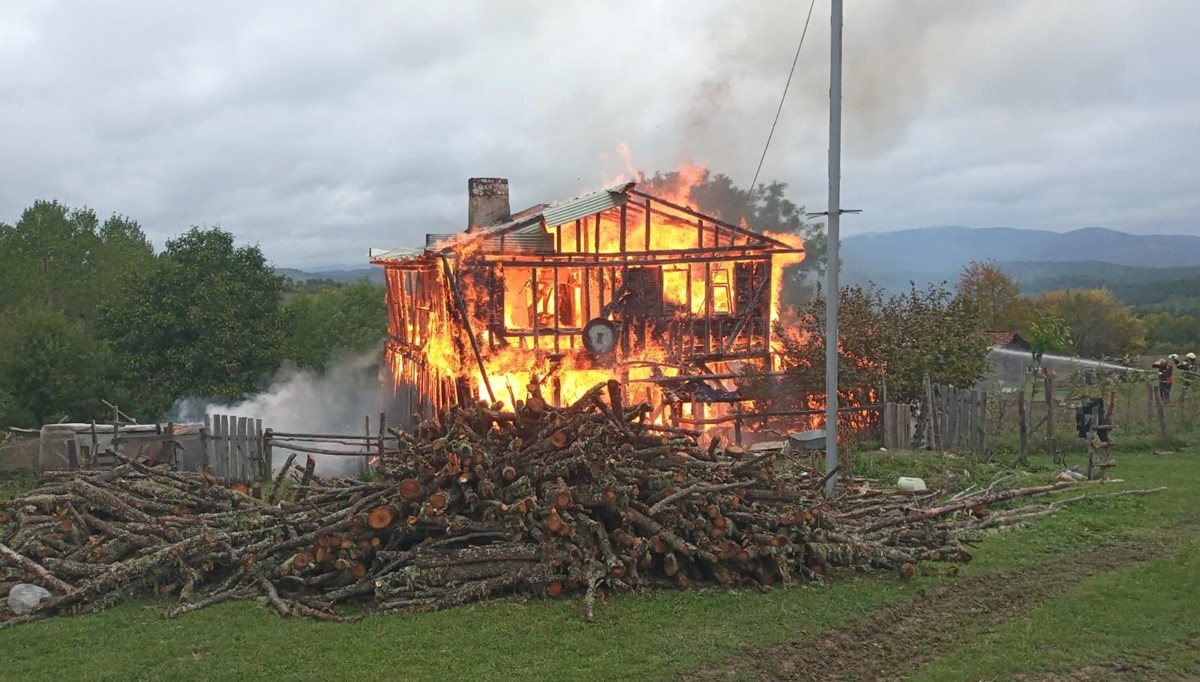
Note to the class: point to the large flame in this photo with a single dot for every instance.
(539, 364)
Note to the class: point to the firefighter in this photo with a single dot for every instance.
(1187, 372)
(1165, 370)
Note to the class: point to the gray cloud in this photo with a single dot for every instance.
(319, 129)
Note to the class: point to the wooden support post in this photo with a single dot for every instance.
(708, 308)
(1151, 389)
(737, 423)
(268, 455)
(382, 433)
(1164, 428)
(91, 458)
(889, 425)
(557, 321)
(1051, 446)
(224, 448)
(982, 421)
(1091, 460)
(241, 454)
(207, 444)
(166, 448)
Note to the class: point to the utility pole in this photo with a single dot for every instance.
(834, 219)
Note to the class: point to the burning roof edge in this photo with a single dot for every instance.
(591, 203)
(527, 231)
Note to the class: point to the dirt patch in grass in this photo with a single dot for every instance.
(899, 639)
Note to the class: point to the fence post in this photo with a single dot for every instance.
(930, 417)
(225, 448)
(983, 404)
(1164, 429)
(1022, 427)
(166, 449)
(264, 469)
(91, 458)
(241, 450)
(953, 418)
(382, 435)
(886, 420)
(1050, 445)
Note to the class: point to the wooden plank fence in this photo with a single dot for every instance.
(954, 419)
(235, 449)
(897, 426)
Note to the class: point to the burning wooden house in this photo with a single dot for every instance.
(617, 283)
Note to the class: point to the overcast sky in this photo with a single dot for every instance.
(320, 129)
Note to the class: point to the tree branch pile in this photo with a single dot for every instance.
(585, 500)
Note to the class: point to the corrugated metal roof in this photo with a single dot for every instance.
(588, 204)
(527, 232)
(526, 235)
(393, 254)
(435, 241)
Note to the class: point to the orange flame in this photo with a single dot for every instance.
(528, 360)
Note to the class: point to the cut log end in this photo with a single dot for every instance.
(410, 489)
(438, 501)
(562, 499)
(380, 518)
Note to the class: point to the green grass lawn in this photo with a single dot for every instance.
(1146, 608)
(1138, 623)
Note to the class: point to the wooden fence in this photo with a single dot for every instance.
(238, 449)
(235, 449)
(953, 419)
(897, 426)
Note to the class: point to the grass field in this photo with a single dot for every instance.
(1106, 589)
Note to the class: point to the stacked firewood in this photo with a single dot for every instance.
(483, 502)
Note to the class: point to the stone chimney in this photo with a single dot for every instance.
(487, 202)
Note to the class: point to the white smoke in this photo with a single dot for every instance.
(336, 401)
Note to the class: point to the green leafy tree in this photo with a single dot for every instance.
(1049, 332)
(1100, 324)
(803, 349)
(995, 295)
(50, 368)
(930, 332)
(205, 320)
(1168, 333)
(923, 332)
(66, 259)
(336, 319)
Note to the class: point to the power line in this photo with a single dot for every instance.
(778, 111)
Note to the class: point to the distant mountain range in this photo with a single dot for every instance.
(347, 275)
(1039, 259)
(1137, 267)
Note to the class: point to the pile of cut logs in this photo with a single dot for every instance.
(588, 499)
